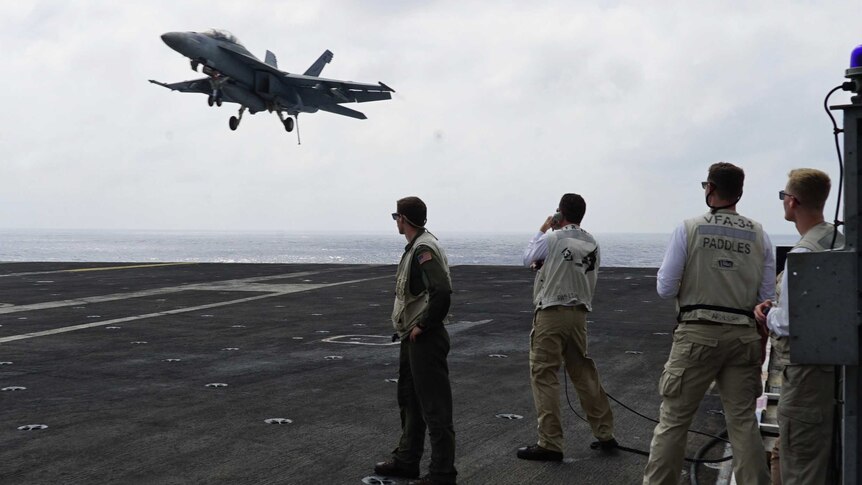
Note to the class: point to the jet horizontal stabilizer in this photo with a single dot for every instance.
(341, 110)
(365, 96)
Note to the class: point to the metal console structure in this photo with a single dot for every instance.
(826, 290)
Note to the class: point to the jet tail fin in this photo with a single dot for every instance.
(341, 110)
(271, 60)
(318, 65)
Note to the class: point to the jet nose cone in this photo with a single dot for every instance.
(173, 39)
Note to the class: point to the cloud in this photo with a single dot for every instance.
(499, 110)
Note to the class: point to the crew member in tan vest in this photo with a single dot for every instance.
(717, 267)
(422, 298)
(807, 403)
(569, 261)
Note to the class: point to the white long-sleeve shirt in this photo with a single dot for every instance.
(778, 318)
(537, 249)
(670, 273)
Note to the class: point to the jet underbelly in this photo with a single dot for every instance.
(243, 96)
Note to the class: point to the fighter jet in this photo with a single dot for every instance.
(234, 75)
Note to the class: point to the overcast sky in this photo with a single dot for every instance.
(500, 108)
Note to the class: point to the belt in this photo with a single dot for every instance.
(709, 322)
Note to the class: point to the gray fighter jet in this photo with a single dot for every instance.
(234, 75)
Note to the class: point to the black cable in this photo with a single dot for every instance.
(642, 452)
(656, 422)
(835, 132)
(692, 472)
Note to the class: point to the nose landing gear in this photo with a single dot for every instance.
(215, 98)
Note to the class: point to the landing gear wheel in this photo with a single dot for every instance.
(233, 122)
(218, 101)
(210, 100)
(288, 124)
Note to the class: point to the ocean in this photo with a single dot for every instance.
(618, 249)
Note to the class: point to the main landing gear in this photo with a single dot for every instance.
(289, 124)
(233, 122)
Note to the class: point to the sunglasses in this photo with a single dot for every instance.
(706, 184)
(395, 216)
(782, 194)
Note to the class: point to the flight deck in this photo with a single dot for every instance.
(285, 374)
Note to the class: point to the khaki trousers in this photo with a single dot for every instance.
(806, 408)
(560, 336)
(729, 355)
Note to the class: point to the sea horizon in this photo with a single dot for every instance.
(619, 249)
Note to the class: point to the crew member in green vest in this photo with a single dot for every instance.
(422, 297)
(568, 264)
(807, 402)
(718, 266)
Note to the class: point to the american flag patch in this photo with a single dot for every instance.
(424, 257)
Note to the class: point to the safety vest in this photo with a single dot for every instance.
(817, 239)
(568, 275)
(409, 308)
(723, 269)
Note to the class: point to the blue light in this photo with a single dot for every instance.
(856, 57)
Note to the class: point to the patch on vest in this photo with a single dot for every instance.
(567, 255)
(724, 264)
(424, 257)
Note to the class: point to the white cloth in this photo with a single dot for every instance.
(778, 318)
(537, 248)
(673, 265)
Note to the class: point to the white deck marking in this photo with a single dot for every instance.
(384, 340)
(456, 327)
(452, 328)
(293, 289)
(243, 284)
(101, 268)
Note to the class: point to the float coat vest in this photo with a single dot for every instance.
(817, 239)
(723, 269)
(568, 275)
(409, 308)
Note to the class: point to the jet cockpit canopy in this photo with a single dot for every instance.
(221, 34)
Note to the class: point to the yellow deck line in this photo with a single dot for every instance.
(106, 268)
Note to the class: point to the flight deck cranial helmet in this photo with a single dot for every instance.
(413, 210)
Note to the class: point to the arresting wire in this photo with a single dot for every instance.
(636, 451)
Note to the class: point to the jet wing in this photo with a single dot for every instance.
(202, 86)
(338, 91)
(341, 91)
(193, 86)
